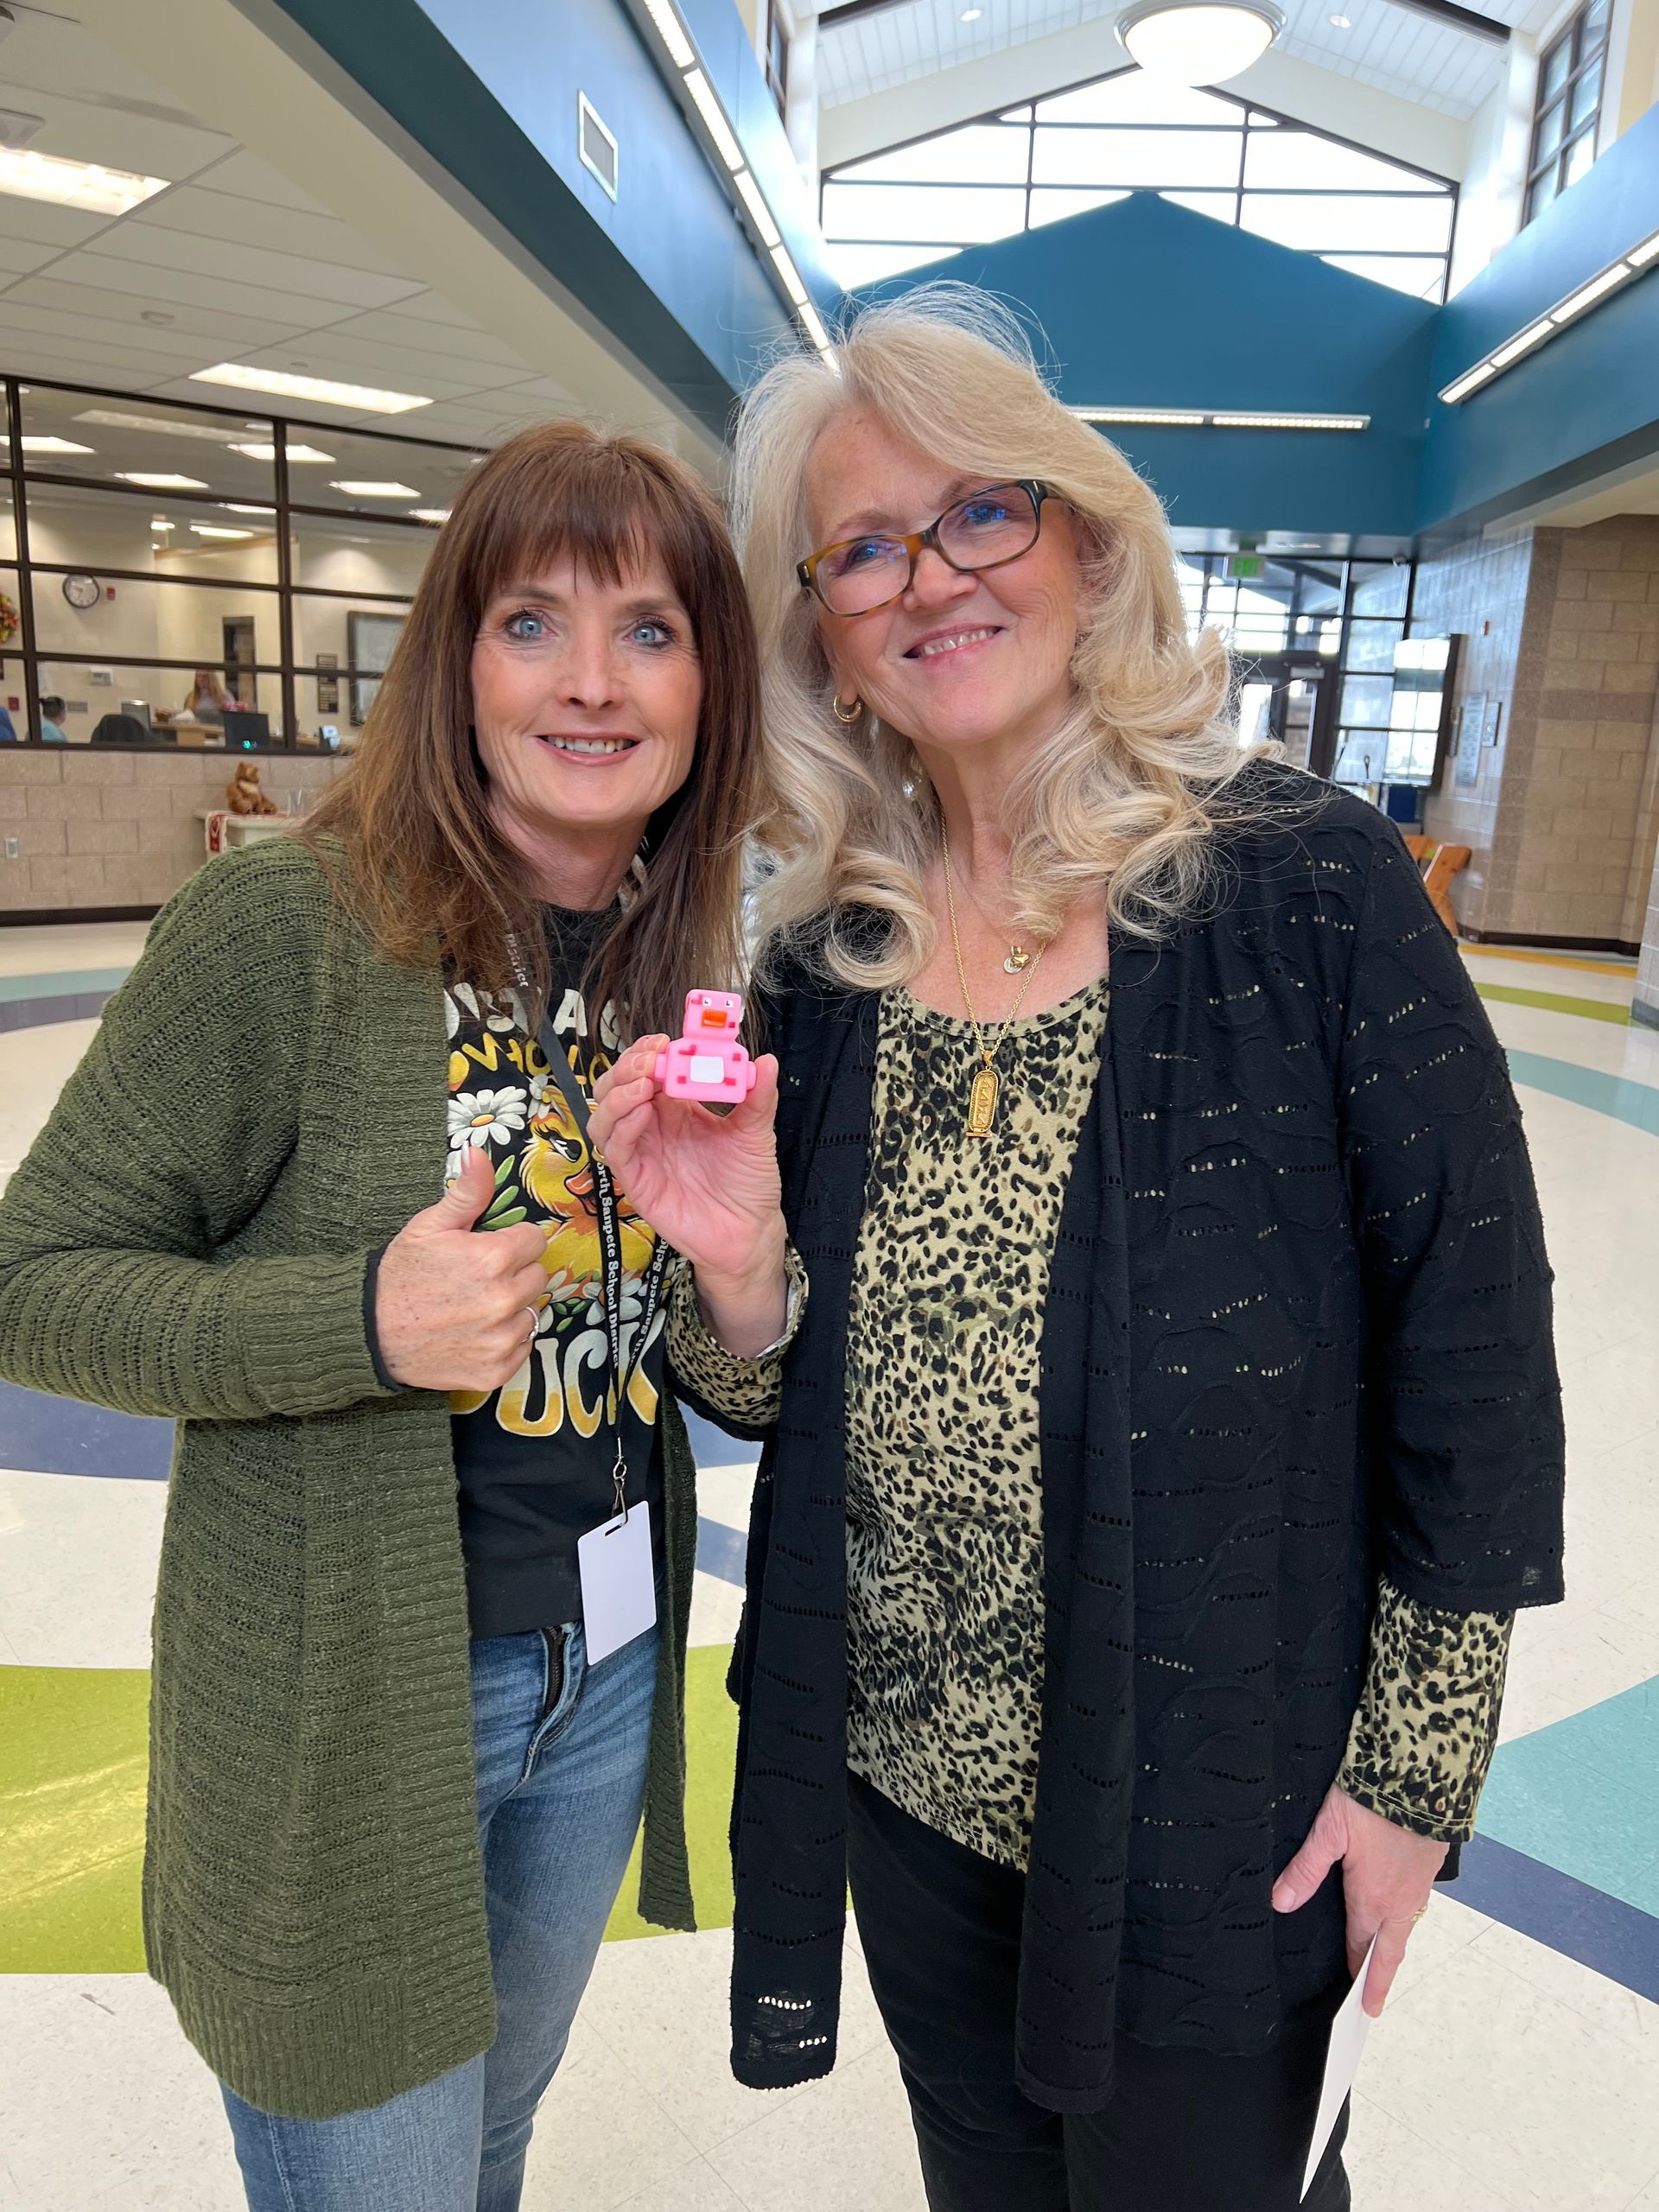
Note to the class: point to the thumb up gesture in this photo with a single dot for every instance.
(454, 1310)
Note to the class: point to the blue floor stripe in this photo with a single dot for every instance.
(1613, 1095)
(44, 1014)
(1602, 1933)
(61, 1436)
(56, 981)
(721, 1551)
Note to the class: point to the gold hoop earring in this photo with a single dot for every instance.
(852, 713)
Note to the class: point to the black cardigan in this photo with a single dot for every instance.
(1298, 1332)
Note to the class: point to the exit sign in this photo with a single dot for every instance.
(1243, 568)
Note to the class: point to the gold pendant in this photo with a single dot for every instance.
(1017, 962)
(982, 1103)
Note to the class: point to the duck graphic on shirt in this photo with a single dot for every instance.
(503, 1101)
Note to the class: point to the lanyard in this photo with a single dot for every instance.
(610, 1240)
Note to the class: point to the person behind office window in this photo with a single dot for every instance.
(52, 713)
(391, 1798)
(210, 697)
(1174, 1428)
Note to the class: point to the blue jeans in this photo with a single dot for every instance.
(561, 1749)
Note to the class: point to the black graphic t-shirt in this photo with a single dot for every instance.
(533, 1459)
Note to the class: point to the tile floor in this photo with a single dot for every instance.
(1507, 2075)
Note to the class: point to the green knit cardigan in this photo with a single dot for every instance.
(263, 1106)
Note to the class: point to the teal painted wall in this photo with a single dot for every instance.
(1145, 304)
(489, 93)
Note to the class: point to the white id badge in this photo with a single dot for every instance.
(618, 1584)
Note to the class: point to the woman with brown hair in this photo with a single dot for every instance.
(404, 1715)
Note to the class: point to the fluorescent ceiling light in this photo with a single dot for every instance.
(1522, 343)
(47, 445)
(671, 31)
(714, 117)
(1199, 41)
(430, 514)
(236, 507)
(159, 481)
(370, 487)
(218, 529)
(1471, 380)
(294, 453)
(1136, 415)
(790, 274)
(160, 522)
(365, 396)
(1640, 255)
(813, 324)
(1588, 293)
(1290, 421)
(162, 425)
(87, 185)
(749, 192)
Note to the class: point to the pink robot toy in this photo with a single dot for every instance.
(707, 1062)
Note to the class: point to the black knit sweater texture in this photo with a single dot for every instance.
(1298, 1335)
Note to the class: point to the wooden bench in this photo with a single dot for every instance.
(1438, 864)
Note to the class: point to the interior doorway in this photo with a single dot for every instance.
(239, 657)
(1290, 698)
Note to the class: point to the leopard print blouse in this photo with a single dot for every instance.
(944, 1499)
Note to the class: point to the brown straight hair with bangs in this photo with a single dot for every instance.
(408, 834)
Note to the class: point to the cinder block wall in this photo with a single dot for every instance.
(105, 827)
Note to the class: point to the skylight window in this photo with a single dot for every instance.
(1205, 150)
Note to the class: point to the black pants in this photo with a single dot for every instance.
(1185, 2131)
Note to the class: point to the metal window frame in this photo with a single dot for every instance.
(1582, 59)
(285, 510)
(1028, 121)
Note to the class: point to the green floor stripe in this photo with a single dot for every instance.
(72, 1814)
(1553, 1002)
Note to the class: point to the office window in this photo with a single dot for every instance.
(775, 59)
(1569, 106)
(1088, 147)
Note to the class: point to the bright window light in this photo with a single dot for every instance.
(154, 481)
(294, 453)
(74, 184)
(47, 445)
(749, 192)
(714, 117)
(671, 32)
(369, 487)
(1198, 44)
(218, 529)
(316, 389)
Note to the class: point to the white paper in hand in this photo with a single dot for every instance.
(618, 1587)
(1348, 2033)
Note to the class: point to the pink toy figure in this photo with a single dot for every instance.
(707, 1062)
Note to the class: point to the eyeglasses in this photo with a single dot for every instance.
(981, 531)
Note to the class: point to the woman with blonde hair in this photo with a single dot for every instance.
(1172, 1428)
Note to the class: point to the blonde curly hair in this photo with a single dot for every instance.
(1126, 789)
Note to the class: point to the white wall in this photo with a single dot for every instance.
(1494, 186)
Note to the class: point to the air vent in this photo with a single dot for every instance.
(596, 144)
(17, 129)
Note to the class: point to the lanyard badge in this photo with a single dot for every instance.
(618, 1586)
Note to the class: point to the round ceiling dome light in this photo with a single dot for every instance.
(1199, 41)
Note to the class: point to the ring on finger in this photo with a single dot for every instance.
(535, 1313)
(1421, 1913)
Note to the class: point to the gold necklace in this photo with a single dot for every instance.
(1019, 957)
(987, 1083)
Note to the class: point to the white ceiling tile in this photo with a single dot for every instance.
(18, 255)
(230, 218)
(135, 240)
(432, 306)
(167, 288)
(245, 176)
(325, 354)
(171, 351)
(213, 327)
(41, 224)
(93, 123)
(393, 326)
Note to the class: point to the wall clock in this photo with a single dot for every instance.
(82, 591)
